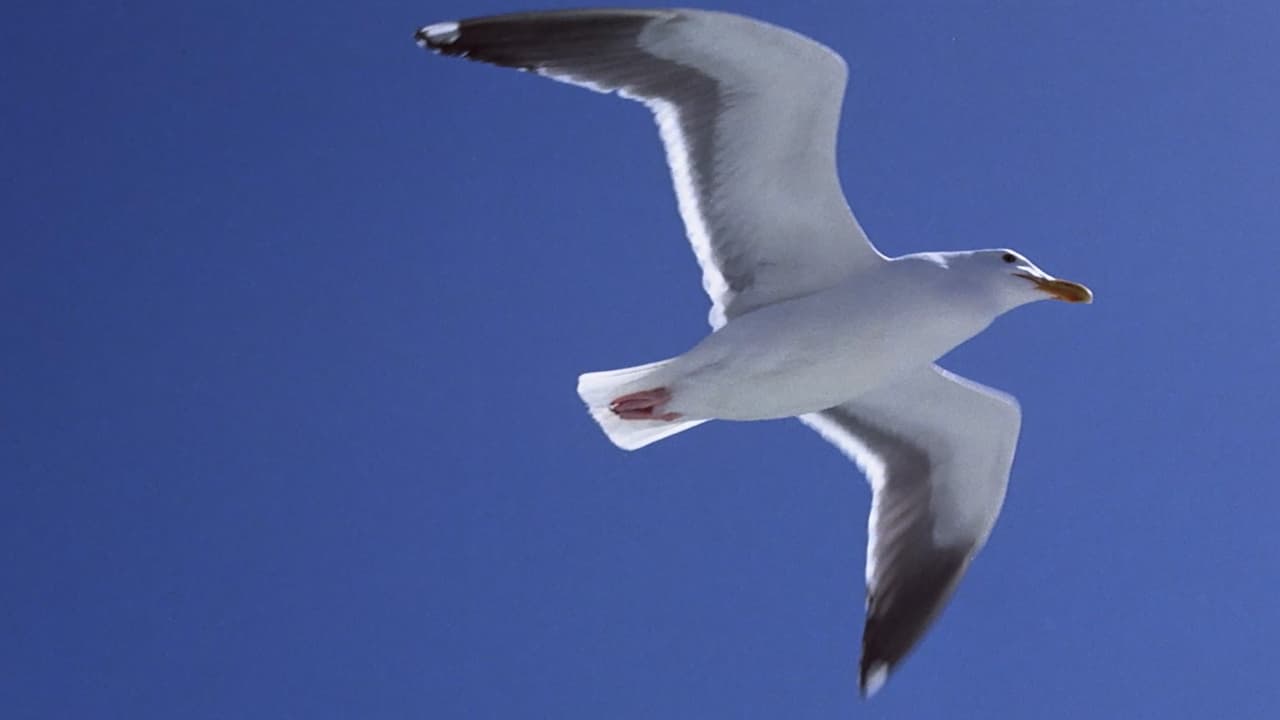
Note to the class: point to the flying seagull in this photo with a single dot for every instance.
(809, 319)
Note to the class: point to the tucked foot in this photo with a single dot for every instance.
(644, 405)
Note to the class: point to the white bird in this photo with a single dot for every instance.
(810, 319)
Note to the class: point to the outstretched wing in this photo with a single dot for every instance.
(937, 450)
(748, 113)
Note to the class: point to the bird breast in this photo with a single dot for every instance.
(810, 353)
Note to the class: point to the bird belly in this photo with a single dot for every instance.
(783, 384)
(791, 359)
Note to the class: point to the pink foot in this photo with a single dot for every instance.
(643, 405)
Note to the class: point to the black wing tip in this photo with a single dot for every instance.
(872, 675)
(896, 621)
(439, 36)
(534, 28)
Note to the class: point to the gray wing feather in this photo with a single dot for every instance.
(748, 114)
(937, 450)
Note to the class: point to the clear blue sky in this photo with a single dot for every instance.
(293, 312)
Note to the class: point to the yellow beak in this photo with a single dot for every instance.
(1061, 289)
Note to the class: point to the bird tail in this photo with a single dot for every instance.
(599, 389)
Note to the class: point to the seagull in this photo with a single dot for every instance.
(809, 320)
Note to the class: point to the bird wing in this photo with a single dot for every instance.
(748, 113)
(937, 450)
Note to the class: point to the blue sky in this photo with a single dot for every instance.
(293, 314)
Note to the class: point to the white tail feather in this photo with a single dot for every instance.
(598, 389)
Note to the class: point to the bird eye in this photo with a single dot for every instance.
(1009, 258)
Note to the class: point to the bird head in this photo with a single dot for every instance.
(1016, 280)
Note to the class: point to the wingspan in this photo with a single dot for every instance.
(748, 113)
(937, 450)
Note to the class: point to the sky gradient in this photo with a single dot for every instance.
(293, 313)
